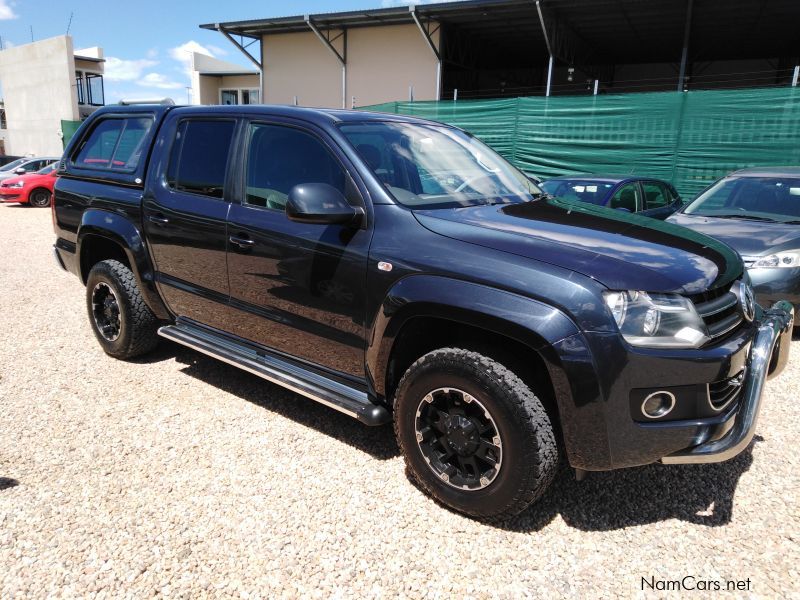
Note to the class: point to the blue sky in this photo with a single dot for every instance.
(146, 41)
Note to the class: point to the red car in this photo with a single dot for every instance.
(35, 189)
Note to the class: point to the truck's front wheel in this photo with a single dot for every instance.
(121, 320)
(473, 434)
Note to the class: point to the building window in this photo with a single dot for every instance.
(3, 124)
(233, 96)
(250, 96)
(94, 86)
(229, 96)
(79, 87)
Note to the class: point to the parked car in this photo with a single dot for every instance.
(396, 269)
(757, 212)
(23, 166)
(649, 197)
(35, 189)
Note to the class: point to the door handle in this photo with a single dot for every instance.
(158, 219)
(241, 242)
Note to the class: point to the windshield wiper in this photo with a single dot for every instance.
(743, 217)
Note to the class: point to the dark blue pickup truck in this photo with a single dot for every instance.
(399, 270)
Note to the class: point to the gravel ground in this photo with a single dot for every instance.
(181, 476)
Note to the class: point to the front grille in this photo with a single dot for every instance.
(720, 311)
(723, 393)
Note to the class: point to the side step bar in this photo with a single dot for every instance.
(331, 393)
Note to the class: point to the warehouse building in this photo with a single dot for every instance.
(507, 48)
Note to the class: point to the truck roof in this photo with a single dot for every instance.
(314, 115)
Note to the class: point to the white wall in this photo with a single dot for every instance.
(37, 81)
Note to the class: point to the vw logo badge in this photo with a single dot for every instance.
(747, 301)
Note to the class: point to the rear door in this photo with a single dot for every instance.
(185, 209)
(297, 288)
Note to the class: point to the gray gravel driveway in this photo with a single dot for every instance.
(181, 476)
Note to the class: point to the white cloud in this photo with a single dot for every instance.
(217, 50)
(152, 53)
(183, 53)
(6, 12)
(117, 69)
(159, 81)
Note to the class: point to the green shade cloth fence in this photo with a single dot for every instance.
(689, 138)
(68, 128)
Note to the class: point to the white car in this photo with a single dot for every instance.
(21, 166)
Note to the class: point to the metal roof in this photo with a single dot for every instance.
(608, 30)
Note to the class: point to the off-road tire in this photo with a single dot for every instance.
(530, 453)
(138, 325)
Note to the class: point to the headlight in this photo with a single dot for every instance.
(657, 320)
(18, 184)
(780, 260)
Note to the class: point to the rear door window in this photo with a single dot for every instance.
(656, 195)
(199, 156)
(115, 144)
(627, 197)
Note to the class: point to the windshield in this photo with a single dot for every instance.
(755, 198)
(13, 164)
(593, 192)
(48, 169)
(426, 166)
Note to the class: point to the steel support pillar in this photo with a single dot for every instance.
(685, 54)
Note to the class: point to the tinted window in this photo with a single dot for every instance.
(280, 158)
(199, 157)
(115, 144)
(594, 192)
(768, 198)
(437, 167)
(626, 197)
(656, 195)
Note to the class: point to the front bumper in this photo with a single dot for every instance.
(767, 358)
(9, 196)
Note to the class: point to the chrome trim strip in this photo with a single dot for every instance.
(665, 413)
(772, 332)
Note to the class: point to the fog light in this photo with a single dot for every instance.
(658, 404)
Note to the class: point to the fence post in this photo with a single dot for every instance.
(455, 95)
(684, 98)
(795, 75)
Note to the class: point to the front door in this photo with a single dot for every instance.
(185, 214)
(298, 288)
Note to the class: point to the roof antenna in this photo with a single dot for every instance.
(32, 33)
(69, 25)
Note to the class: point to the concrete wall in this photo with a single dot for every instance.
(382, 62)
(37, 81)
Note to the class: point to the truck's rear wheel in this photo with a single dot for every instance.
(474, 436)
(121, 320)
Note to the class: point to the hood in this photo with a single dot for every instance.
(27, 178)
(750, 238)
(618, 249)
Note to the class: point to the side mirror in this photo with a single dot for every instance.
(20, 171)
(320, 204)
